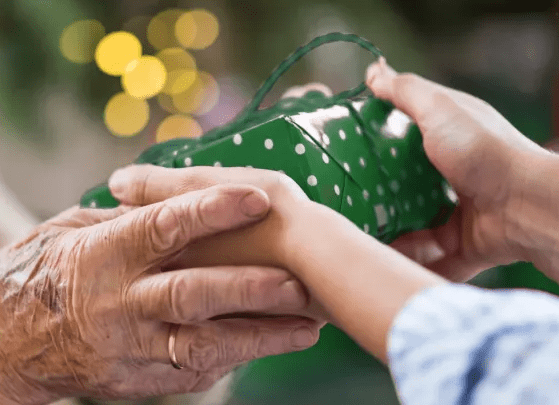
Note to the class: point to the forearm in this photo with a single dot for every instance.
(532, 213)
(362, 283)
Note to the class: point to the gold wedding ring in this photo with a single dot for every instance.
(173, 330)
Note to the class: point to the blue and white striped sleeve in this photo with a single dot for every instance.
(457, 344)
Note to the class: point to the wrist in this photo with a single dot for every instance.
(301, 228)
(531, 214)
(362, 283)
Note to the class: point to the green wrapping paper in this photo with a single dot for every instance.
(360, 157)
(357, 155)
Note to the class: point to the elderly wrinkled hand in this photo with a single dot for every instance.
(267, 243)
(88, 301)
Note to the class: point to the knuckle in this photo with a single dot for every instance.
(164, 227)
(284, 179)
(195, 178)
(192, 298)
(201, 210)
(132, 304)
(285, 183)
(202, 351)
(256, 343)
(251, 283)
(175, 294)
(208, 210)
(140, 175)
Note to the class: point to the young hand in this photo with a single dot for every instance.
(501, 177)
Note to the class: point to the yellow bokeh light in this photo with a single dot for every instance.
(161, 29)
(176, 59)
(116, 51)
(181, 69)
(144, 77)
(185, 32)
(197, 29)
(179, 81)
(79, 40)
(126, 115)
(200, 98)
(178, 126)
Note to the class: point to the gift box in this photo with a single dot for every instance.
(361, 157)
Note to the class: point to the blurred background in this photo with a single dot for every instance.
(76, 103)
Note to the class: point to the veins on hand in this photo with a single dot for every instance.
(34, 334)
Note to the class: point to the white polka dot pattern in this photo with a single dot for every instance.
(382, 217)
(372, 180)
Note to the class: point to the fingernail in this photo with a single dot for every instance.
(302, 337)
(254, 204)
(117, 182)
